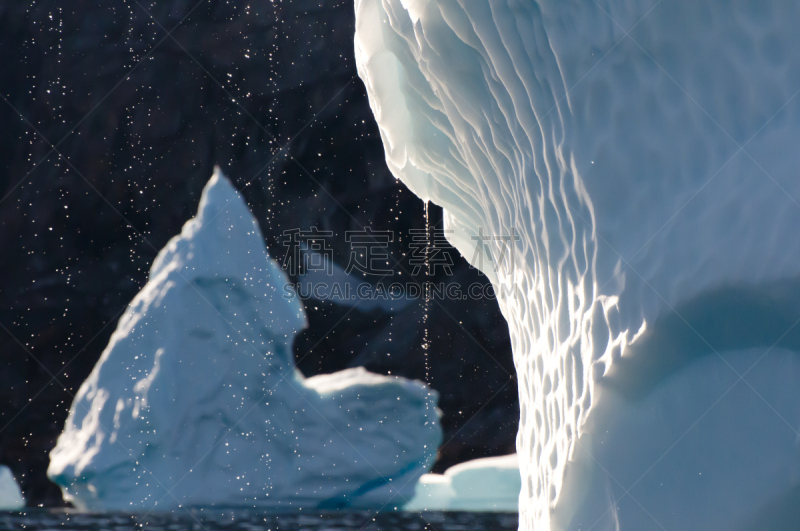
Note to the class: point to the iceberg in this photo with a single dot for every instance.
(10, 495)
(490, 484)
(624, 174)
(196, 401)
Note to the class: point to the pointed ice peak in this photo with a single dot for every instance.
(222, 240)
(220, 198)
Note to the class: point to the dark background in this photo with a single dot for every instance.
(109, 128)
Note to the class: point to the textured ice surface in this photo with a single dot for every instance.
(10, 495)
(196, 399)
(640, 159)
(491, 484)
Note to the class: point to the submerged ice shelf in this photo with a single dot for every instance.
(491, 484)
(629, 170)
(196, 400)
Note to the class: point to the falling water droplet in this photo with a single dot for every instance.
(426, 310)
(426, 289)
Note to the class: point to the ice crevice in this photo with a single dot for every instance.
(589, 146)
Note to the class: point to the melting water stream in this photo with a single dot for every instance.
(426, 287)
(427, 304)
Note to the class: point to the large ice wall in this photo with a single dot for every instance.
(196, 400)
(632, 168)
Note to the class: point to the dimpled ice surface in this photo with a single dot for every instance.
(627, 173)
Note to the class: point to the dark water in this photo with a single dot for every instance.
(203, 520)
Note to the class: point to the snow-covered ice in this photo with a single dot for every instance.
(631, 167)
(10, 495)
(491, 484)
(197, 401)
